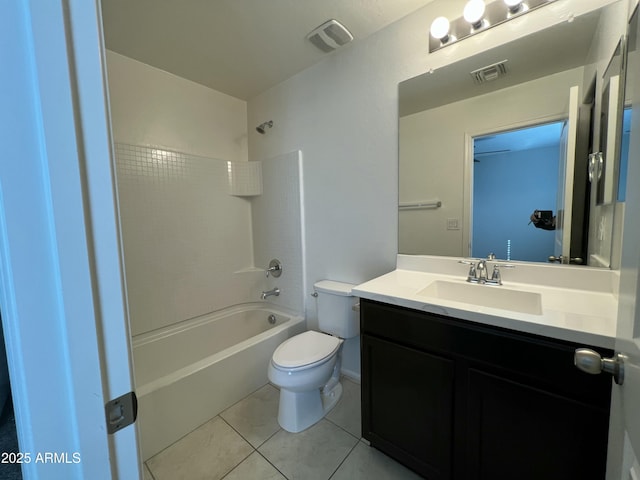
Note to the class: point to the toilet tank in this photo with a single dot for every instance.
(335, 309)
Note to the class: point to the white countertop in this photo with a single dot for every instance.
(578, 315)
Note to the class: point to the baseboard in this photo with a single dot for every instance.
(351, 375)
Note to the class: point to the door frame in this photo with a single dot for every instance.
(62, 291)
(467, 177)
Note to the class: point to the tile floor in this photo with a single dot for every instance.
(245, 442)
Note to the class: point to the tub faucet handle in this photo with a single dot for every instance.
(275, 268)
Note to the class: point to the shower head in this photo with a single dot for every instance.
(263, 126)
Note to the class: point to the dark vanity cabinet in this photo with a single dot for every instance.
(453, 399)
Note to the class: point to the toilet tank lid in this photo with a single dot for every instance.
(336, 288)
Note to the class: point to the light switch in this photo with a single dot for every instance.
(453, 224)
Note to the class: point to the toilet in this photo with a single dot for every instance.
(306, 367)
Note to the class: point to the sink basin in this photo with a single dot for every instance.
(485, 295)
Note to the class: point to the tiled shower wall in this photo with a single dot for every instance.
(188, 243)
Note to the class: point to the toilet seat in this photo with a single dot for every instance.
(305, 350)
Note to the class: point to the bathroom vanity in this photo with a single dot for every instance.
(463, 390)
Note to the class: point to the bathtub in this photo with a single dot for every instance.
(188, 373)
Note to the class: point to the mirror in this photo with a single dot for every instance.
(453, 153)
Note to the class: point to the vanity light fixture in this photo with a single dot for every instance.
(477, 17)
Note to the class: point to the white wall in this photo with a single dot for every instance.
(187, 243)
(153, 107)
(432, 156)
(343, 115)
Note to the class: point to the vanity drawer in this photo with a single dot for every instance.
(541, 361)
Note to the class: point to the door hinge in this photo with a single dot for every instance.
(121, 412)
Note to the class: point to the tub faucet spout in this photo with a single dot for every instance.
(273, 292)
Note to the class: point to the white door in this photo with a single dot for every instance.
(62, 293)
(564, 201)
(624, 435)
(624, 427)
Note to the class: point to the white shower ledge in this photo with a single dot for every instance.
(577, 304)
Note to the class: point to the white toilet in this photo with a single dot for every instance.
(306, 367)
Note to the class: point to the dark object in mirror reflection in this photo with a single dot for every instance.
(543, 219)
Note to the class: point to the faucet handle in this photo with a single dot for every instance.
(471, 276)
(275, 268)
(495, 276)
(503, 265)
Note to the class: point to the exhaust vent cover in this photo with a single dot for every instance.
(330, 35)
(490, 72)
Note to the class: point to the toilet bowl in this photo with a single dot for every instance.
(307, 370)
(306, 367)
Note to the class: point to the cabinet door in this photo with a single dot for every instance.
(407, 405)
(517, 431)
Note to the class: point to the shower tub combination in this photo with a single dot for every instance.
(188, 373)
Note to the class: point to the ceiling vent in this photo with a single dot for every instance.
(490, 72)
(330, 35)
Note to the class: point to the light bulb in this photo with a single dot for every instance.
(473, 12)
(513, 5)
(440, 28)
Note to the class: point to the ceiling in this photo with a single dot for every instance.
(238, 47)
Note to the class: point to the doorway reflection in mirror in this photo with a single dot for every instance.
(514, 174)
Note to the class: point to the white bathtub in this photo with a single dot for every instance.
(189, 373)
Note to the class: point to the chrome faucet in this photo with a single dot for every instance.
(273, 292)
(275, 268)
(481, 271)
(478, 272)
